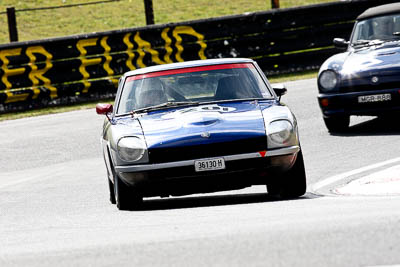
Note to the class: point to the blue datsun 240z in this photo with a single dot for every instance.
(197, 127)
(364, 80)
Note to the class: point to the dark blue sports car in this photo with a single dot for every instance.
(364, 80)
(196, 127)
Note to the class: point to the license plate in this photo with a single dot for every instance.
(209, 164)
(374, 98)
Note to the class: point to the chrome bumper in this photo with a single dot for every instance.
(146, 167)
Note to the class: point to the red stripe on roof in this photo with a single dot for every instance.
(190, 69)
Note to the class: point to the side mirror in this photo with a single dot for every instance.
(279, 89)
(104, 109)
(340, 43)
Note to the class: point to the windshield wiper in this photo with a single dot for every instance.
(235, 100)
(367, 42)
(168, 104)
(395, 37)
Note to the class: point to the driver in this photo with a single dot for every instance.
(151, 93)
(382, 28)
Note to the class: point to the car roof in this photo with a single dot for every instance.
(187, 64)
(380, 11)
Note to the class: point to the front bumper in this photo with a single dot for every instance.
(180, 178)
(337, 104)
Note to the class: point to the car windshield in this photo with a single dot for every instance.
(192, 85)
(375, 30)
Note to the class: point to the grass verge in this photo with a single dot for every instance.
(51, 110)
(293, 76)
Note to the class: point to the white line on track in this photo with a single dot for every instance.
(345, 175)
(383, 183)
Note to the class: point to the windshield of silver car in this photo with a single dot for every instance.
(192, 84)
(383, 28)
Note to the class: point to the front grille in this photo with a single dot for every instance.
(234, 166)
(368, 86)
(169, 154)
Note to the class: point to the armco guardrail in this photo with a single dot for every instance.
(68, 69)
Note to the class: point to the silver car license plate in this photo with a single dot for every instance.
(209, 164)
(374, 98)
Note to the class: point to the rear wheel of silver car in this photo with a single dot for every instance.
(337, 123)
(126, 197)
(291, 184)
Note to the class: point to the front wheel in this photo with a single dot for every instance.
(337, 123)
(126, 197)
(112, 192)
(293, 183)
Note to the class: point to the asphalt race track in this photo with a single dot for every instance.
(54, 208)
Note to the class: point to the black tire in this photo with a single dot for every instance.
(110, 184)
(337, 124)
(126, 197)
(112, 192)
(291, 184)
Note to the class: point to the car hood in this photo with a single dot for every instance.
(203, 124)
(382, 60)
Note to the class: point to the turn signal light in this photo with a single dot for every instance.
(324, 102)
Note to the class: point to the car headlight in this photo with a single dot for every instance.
(131, 148)
(328, 80)
(281, 133)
